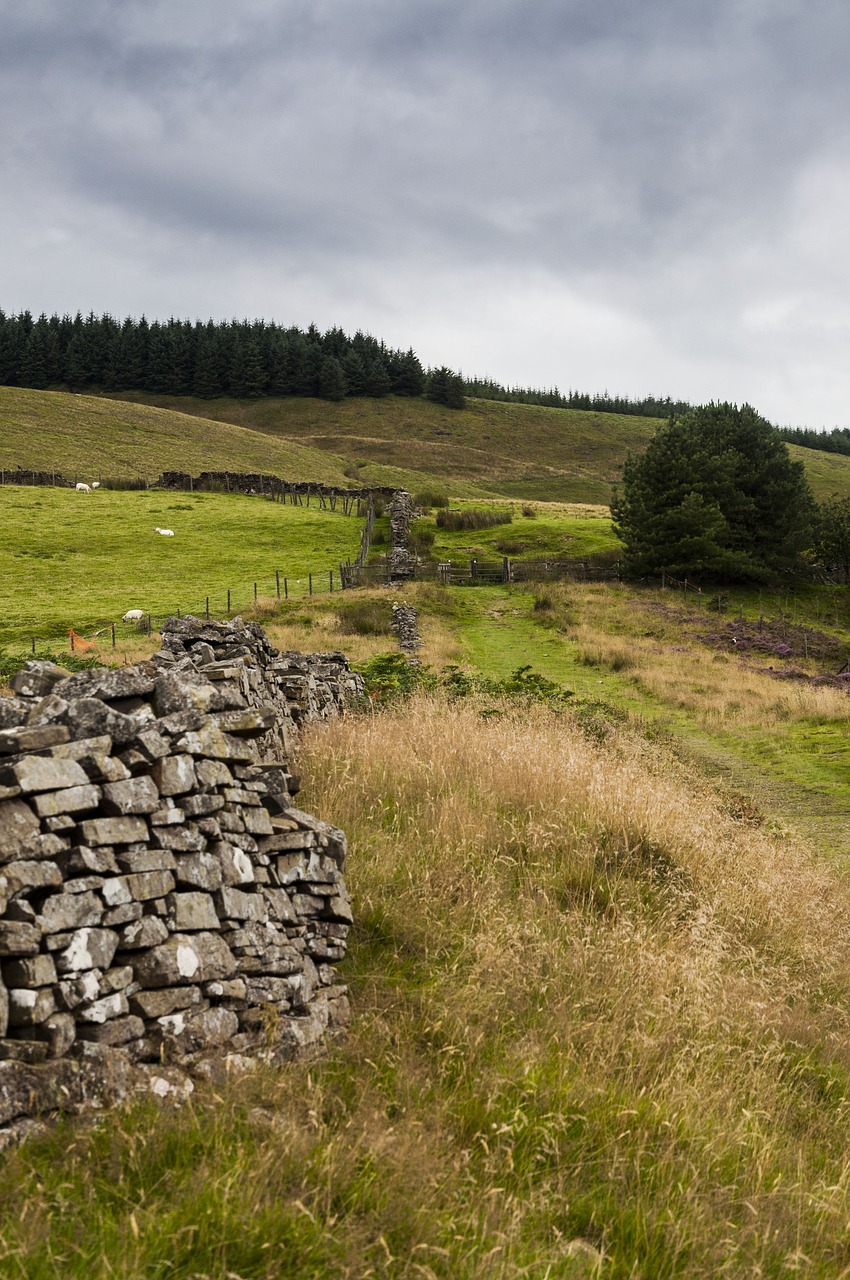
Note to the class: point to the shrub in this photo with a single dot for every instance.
(365, 618)
(454, 521)
(426, 500)
(529, 512)
(422, 540)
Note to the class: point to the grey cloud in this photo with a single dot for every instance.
(656, 157)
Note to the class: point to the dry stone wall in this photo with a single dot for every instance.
(164, 906)
(401, 512)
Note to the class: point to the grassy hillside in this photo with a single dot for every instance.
(82, 560)
(524, 451)
(87, 437)
(600, 1030)
(520, 450)
(599, 978)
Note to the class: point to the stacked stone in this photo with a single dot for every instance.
(405, 625)
(247, 670)
(401, 512)
(160, 897)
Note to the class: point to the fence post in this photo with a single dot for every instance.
(310, 582)
(178, 613)
(33, 639)
(277, 582)
(72, 639)
(331, 578)
(113, 638)
(285, 589)
(208, 607)
(663, 580)
(228, 601)
(255, 593)
(150, 624)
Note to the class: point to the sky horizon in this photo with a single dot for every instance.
(634, 199)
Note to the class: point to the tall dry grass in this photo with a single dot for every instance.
(600, 1028)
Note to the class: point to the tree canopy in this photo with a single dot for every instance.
(715, 493)
(246, 359)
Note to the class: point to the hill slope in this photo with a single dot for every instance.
(523, 451)
(92, 436)
(513, 450)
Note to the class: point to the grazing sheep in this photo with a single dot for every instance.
(166, 533)
(133, 615)
(95, 484)
(84, 488)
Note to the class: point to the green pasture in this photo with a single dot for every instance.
(566, 455)
(565, 531)
(81, 560)
(515, 450)
(96, 438)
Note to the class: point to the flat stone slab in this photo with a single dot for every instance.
(43, 773)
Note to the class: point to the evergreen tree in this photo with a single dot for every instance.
(156, 378)
(332, 384)
(714, 493)
(236, 381)
(407, 374)
(355, 373)
(254, 372)
(33, 371)
(207, 374)
(455, 398)
(832, 535)
(377, 379)
(445, 387)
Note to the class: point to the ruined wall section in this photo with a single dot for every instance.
(402, 561)
(162, 900)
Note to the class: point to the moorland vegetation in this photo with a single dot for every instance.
(599, 967)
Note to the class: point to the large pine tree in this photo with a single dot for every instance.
(715, 493)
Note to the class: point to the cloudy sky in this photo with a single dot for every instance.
(599, 194)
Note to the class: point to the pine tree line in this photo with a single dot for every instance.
(835, 441)
(552, 398)
(238, 358)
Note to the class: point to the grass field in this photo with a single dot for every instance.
(563, 530)
(600, 1030)
(489, 448)
(524, 451)
(82, 560)
(91, 437)
(600, 970)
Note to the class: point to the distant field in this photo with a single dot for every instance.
(522, 451)
(82, 560)
(564, 530)
(507, 450)
(91, 437)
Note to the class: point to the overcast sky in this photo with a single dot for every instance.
(598, 194)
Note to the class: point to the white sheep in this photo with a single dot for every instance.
(84, 488)
(95, 484)
(166, 533)
(133, 615)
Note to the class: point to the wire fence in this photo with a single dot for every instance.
(265, 593)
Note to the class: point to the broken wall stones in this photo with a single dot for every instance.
(406, 626)
(162, 900)
(401, 511)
